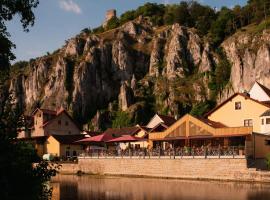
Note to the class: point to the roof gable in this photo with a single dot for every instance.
(259, 92)
(232, 97)
(192, 127)
(157, 119)
(62, 112)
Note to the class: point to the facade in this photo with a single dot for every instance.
(136, 131)
(241, 120)
(63, 146)
(48, 122)
(53, 132)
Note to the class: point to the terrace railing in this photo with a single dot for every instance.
(183, 152)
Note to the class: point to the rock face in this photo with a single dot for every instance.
(250, 58)
(136, 65)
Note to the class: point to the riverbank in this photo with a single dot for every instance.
(192, 169)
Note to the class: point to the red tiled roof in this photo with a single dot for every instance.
(98, 138)
(168, 120)
(230, 98)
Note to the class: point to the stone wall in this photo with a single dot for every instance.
(198, 168)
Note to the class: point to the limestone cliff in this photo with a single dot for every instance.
(138, 68)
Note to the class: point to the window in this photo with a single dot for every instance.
(267, 121)
(238, 105)
(248, 122)
(59, 122)
(262, 121)
(66, 123)
(267, 142)
(67, 154)
(74, 153)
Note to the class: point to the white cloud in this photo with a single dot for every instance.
(70, 6)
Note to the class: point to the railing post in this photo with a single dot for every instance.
(192, 151)
(159, 152)
(98, 153)
(205, 152)
(219, 151)
(173, 153)
(233, 152)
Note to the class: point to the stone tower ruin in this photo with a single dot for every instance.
(109, 15)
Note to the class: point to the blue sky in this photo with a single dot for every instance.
(59, 20)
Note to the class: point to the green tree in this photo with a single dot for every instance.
(122, 119)
(19, 179)
(112, 23)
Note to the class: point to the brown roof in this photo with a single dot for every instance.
(230, 98)
(265, 89)
(116, 132)
(168, 120)
(46, 111)
(212, 123)
(68, 139)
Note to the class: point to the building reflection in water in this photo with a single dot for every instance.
(68, 187)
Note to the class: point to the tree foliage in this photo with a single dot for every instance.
(121, 119)
(19, 179)
(9, 9)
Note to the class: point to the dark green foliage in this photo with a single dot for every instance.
(201, 108)
(70, 63)
(17, 173)
(22, 8)
(221, 74)
(112, 23)
(18, 66)
(267, 160)
(99, 29)
(121, 119)
(127, 16)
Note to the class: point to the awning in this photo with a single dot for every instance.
(99, 138)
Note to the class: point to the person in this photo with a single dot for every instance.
(118, 149)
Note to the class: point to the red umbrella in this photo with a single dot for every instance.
(126, 138)
(99, 138)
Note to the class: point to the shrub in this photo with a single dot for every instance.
(268, 161)
(122, 119)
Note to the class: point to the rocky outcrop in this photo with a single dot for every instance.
(137, 65)
(250, 58)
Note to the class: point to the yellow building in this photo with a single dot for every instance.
(63, 146)
(53, 132)
(242, 119)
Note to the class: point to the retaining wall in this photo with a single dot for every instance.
(214, 169)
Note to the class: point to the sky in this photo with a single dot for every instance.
(59, 20)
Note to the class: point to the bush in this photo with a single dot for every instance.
(122, 119)
(268, 161)
(112, 23)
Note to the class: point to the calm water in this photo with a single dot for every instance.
(68, 187)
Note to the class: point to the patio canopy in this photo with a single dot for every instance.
(99, 138)
(127, 138)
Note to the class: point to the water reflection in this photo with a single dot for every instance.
(121, 188)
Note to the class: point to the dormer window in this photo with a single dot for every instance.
(267, 121)
(59, 122)
(238, 105)
(66, 123)
(262, 121)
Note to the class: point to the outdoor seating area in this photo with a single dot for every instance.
(173, 153)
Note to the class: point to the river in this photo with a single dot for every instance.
(69, 187)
